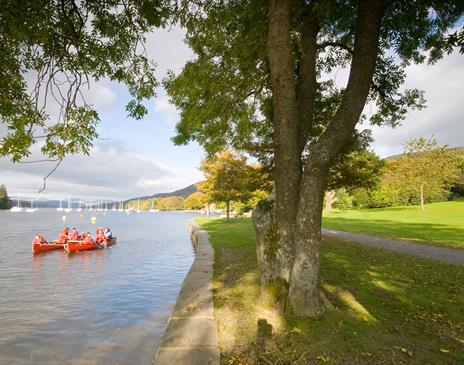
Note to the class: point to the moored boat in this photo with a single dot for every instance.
(39, 244)
(75, 246)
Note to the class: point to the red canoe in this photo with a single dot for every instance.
(73, 246)
(39, 244)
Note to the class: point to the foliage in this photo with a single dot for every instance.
(5, 202)
(171, 203)
(195, 201)
(425, 172)
(65, 46)
(344, 201)
(229, 178)
(358, 169)
(224, 92)
(380, 298)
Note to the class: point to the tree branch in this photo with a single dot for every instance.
(335, 44)
(307, 83)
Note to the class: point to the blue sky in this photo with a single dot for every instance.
(135, 158)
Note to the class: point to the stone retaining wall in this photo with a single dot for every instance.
(191, 335)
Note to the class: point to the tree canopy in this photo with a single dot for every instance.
(426, 171)
(228, 178)
(60, 47)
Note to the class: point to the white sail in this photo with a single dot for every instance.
(17, 208)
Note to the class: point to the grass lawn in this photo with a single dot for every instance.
(389, 308)
(440, 223)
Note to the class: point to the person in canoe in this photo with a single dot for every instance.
(64, 235)
(108, 234)
(82, 236)
(74, 235)
(100, 236)
(88, 238)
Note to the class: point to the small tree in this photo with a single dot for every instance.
(196, 200)
(5, 202)
(228, 178)
(426, 171)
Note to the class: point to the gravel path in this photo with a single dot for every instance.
(443, 254)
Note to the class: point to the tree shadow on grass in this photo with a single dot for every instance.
(389, 308)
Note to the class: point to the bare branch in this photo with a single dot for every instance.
(44, 186)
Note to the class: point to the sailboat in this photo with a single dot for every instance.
(60, 208)
(79, 207)
(17, 208)
(153, 208)
(69, 208)
(31, 209)
(113, 207)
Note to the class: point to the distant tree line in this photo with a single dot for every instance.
(5, 202)
(425, 172)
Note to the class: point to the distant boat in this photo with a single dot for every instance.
(60, 208)
(17, 208)
(153, 208)
(69, 208)
(79, 207)
(31, 209)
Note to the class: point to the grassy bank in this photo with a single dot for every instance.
(389, 308)
(440, 223)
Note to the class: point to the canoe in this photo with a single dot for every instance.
(39, 244)
(75, 246)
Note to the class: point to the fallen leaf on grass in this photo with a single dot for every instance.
(323, 358)
(405, 350)
(444, 350)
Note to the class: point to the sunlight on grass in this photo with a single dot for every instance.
(440, 224)
(350, 301)
(387, 306)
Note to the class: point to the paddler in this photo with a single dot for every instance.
(64, 235)
(74, 235)
(88, 238)
(100, 236)
(108, 234)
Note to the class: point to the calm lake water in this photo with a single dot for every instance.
(99, 307)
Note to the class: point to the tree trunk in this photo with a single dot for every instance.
(288, 229)
(227, 208)
(329, 199)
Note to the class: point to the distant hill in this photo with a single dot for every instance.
(183, 193)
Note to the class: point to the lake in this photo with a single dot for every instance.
(107, 306)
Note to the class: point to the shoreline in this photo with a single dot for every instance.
(191, 333)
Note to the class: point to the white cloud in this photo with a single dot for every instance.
(100, 94)
(169, 112)
(108, 173)
(443, 116)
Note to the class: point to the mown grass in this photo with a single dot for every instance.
(440, 223)
(389, 308)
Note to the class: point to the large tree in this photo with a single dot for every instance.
(263, 80)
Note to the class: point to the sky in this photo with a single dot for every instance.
(134, 158)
